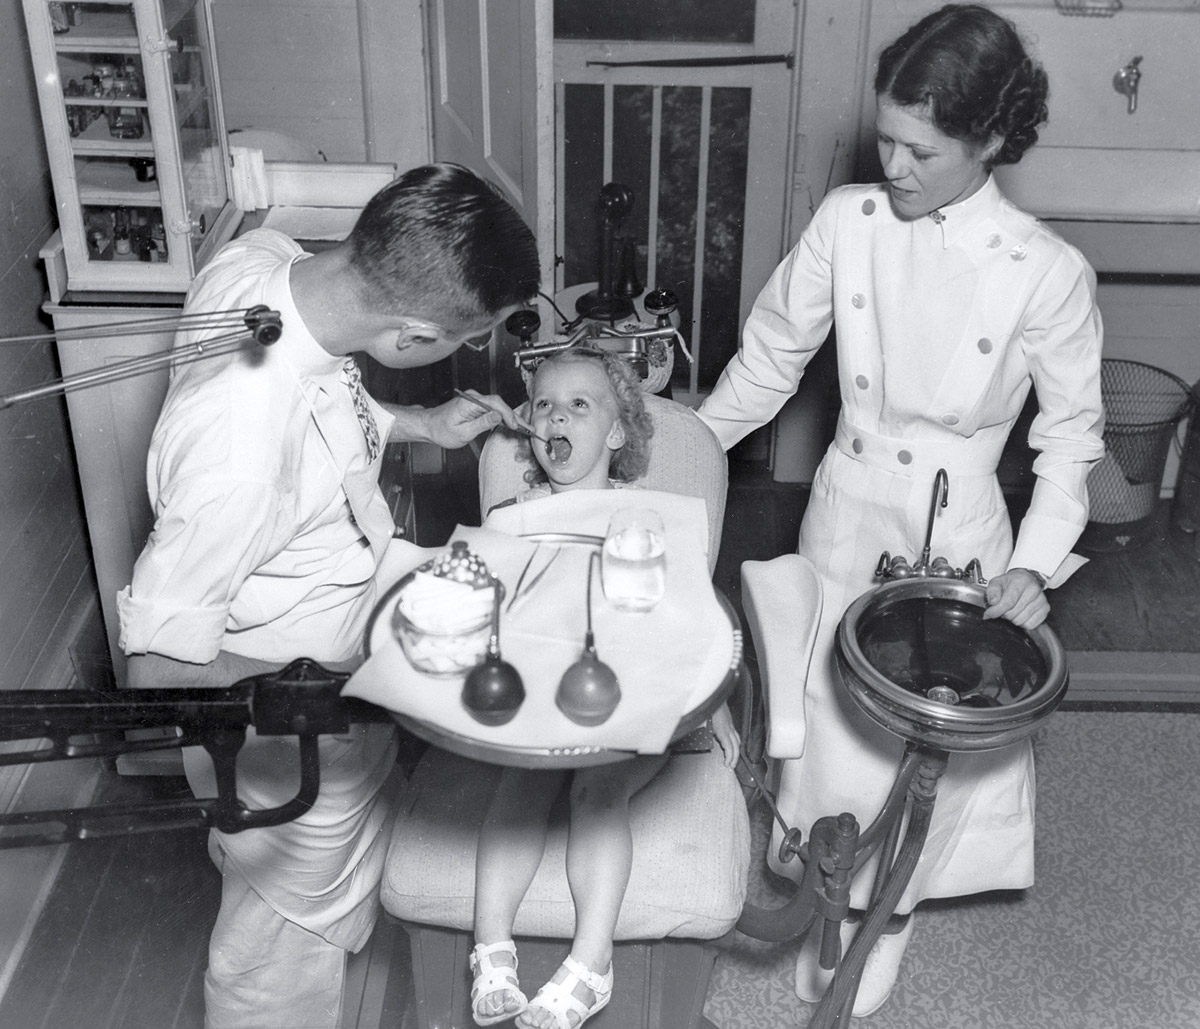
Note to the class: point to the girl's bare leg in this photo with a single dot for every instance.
(599, 860)
(511, 842)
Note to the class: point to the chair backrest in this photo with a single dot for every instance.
(685, 458)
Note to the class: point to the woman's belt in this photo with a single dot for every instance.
(961, 456)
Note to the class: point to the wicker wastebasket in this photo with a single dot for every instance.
(1144, 406)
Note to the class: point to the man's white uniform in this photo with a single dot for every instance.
(269, 529)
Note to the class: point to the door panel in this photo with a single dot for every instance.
(491, 96)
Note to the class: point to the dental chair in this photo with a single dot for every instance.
(690, 828)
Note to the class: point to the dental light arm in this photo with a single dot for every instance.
(254, 324)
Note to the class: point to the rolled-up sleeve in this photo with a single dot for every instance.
(208, 537)
(1062, 339)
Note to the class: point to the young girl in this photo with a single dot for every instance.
(589, 408)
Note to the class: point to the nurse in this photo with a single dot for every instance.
(948, 305)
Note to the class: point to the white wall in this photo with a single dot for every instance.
(346, 76)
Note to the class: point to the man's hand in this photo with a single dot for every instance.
(455, 423)
(1017, 595)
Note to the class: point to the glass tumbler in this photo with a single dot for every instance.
(633, 565)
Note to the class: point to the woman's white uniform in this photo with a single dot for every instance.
(942, 325)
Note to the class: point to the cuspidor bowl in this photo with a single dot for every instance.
(918, 657)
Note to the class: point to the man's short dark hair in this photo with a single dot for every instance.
(441, 238)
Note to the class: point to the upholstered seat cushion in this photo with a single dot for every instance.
(691, 852)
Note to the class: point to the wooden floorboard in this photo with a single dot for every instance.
(122, 939)
(1144, 599)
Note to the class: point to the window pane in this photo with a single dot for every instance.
(724, 223)
(583, 156)
(674, 21)
(677, 204)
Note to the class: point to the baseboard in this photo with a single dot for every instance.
(1133, 680)
(28, 874)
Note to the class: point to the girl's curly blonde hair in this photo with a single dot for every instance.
(633, 458)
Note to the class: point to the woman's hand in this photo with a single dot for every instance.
(1018, 596)
(727, 736)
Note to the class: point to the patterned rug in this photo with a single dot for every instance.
(1108, 936)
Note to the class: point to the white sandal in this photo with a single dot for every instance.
(490, 978)
(559, 998)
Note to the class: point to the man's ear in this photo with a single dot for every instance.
(616, 436)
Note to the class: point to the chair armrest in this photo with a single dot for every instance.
(782, 601)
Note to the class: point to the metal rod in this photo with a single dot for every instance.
(128, 369)
(833, 1010)
(491, 410)
(141, 327)
(699, 62)
(259, 324)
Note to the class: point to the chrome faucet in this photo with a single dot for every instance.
(898, 567)
(1126, 82)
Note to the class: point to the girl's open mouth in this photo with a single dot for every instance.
(558, 449)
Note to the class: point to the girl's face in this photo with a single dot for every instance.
(925, 168)
(572, 405)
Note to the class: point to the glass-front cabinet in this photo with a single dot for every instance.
(135, 135)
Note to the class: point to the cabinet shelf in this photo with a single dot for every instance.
(98, 140)
(114, 184)
(131, 112)
(103, 101)
(93, 44)
(100, 29)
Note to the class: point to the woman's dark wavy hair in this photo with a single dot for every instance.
(442, 239)
(970, 67)
(633, 458)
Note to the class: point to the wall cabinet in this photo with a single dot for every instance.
(131, 112)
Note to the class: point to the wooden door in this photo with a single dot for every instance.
(491, 97)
